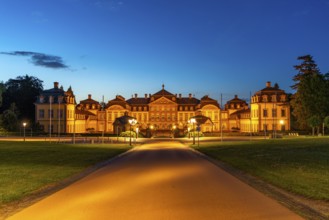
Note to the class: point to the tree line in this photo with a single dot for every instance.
(17, 98)
(309, 104)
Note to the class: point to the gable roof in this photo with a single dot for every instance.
(163, 92)
(119, 100)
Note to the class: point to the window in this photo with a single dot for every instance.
(60, 113)
(274, 98)
(274, 112)
(41, 113)
(264, 113)
(283, 113)
(51, 113)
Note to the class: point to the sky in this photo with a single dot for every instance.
(122, 47)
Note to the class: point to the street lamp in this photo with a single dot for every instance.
(174, 130)
(193, 121)
(24, 125)
(281, 123)
(132, 122)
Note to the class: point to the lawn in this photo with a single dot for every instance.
(298, 165)
(29, 166)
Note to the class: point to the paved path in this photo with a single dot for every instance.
(158, 181)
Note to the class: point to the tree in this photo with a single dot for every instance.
(23, 92)
(314, 122)
(2, 89)
(326, 122)
(9, 118)
(311, 97)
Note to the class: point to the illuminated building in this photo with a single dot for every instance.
(57, 111)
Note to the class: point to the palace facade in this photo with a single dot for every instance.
(58, 112)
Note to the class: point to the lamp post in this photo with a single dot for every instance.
(131, 122)
(198, 128)
(281, 123)
(24, 125)
(193, 121)
(151, 132)
(174, 130)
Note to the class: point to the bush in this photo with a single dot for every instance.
(195, 134)
(128, 134)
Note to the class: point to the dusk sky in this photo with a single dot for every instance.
(110, 47)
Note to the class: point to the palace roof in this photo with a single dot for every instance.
(269, 90)
(89, 101)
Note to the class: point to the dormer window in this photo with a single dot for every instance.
(273, 98)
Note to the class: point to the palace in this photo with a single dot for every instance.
(58, 112)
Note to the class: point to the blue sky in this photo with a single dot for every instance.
(110, 47)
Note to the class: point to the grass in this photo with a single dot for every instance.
(29, 166)
(298, 165)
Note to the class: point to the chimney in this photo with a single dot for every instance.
(268, 84)
(56, 85)
(180, 95)
(89, 96)
(145, 95)
(190, 95)
(235, 96)
(135, 95)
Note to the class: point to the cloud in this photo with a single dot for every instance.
(40, 59)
